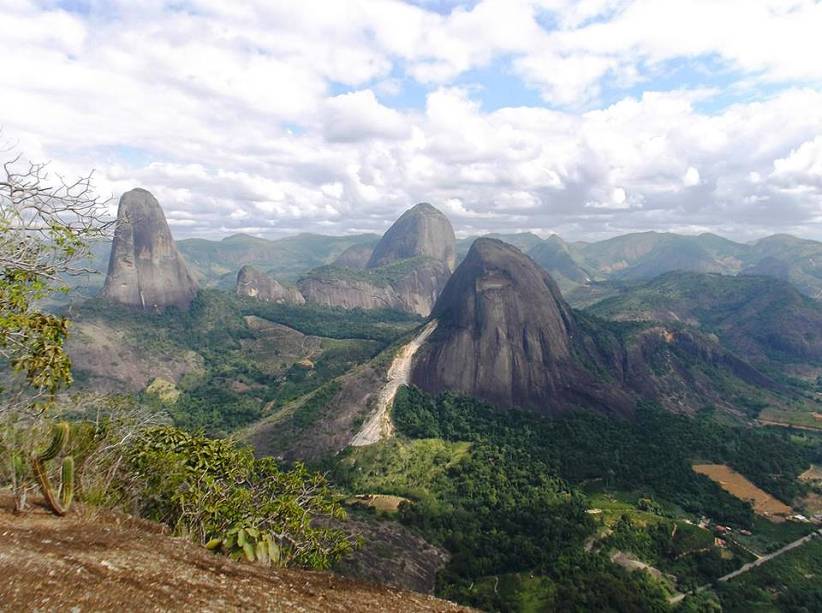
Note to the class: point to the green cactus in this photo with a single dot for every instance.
(59, 438)
(248, 543)
(61, 502)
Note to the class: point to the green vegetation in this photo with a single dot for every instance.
(767, 537)
(381, 277)
(335, 322)
(653, 451)
(504, 492)
(408, 468)
(763, 319)
(515, 530)
(45, 230)
(218, 494)
(310, 410)
(791, 582)
(285, 259)
(504, 518)
(60, 501)
(677, 548)
(246, 376)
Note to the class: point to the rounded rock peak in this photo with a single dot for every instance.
(145, 269)
(425, 208)
(495, 266)
(422, 230)
(139, 195)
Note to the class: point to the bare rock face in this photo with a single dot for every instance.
(406, 270)
(411, 286)
(421, 231)
(333, 288)
(145, 269)
(255, 284)
(505, 335)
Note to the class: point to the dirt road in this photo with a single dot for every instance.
(750, 566)
(379, 426)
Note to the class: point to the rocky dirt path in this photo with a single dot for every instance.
(379, 426)
(109, 562)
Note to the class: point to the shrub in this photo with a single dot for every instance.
(217, 493)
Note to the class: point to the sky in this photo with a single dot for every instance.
(587, 118)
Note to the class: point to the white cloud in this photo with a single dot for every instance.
(360, 116)
(802, 166)
(691, 177)
(232, 113)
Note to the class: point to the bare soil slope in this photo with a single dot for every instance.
(116, 563)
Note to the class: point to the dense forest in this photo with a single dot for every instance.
(654, 450)
(506, 492)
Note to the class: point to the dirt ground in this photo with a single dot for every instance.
(814, 473)
(380, 502)
(102, 561)
(731, 481)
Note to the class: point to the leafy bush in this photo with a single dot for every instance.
(218, 493)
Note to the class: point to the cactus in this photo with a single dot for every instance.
(59, 438)
(248, 543)
(61, 502)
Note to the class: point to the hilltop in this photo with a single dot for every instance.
(100, 560)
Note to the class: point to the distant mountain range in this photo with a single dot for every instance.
(584, 271)
(645, 255)
(764, 320)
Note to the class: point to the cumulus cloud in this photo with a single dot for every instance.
(278, 117)
(360, 116)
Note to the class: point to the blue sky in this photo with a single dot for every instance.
(588, 118)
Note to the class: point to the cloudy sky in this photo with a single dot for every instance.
(589, 118)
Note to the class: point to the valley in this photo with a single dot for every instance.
(411, 305)
(483, 439)
(379, 426)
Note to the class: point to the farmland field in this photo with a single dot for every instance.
(805, 420)
(731, 481)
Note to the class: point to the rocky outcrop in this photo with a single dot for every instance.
(130, 564)
(391, 554)
(145, 269)
(505, 335)
(255, 284)
(333, 288)
(421, 231)
(411, 286)
(406, 271)
(356, 256)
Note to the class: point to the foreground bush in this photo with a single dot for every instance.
(216, 492)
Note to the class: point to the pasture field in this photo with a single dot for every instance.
(731, 481)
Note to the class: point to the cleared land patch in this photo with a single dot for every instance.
(814, 473)
(731, 481)
(804, 420)
(379, 502)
